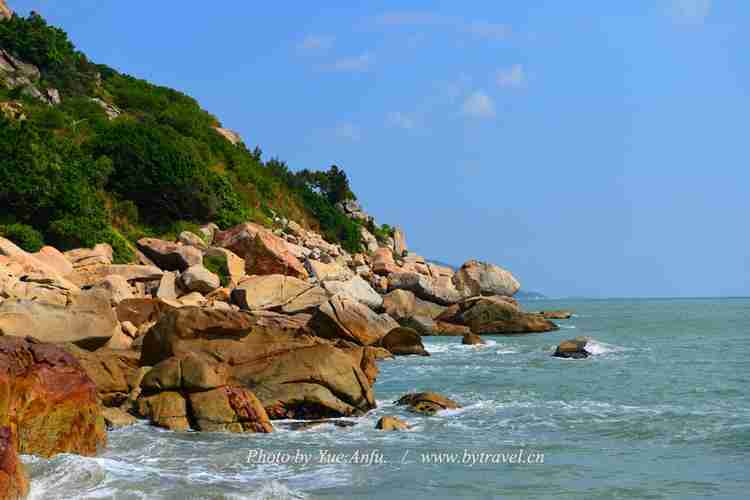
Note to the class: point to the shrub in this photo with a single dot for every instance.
(218, 266)
(23, 235)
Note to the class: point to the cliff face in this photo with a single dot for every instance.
(5, 11)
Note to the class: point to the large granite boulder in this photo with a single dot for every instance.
(100, 255)
(293, 374)
(142, 311)
(383, 263)
(48, 400)
(263, 251)
(427, 403)
(322, 271)
(403, 341)
(573, 349)
(426, 288)
(114, 372)
(112, 288)
(427, 326)
(199, 279)
(14, 481)
(55, 259)
(133, 273)
(494, 316)
(344, 318)
(89, 322)
(278, 292)
(357, 289)
(170, 256)
(36, 287)
(480, 278)
(403, 304)
(559, 314)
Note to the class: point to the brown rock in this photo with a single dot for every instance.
(278, 292)
(556, 314)
(427, 403)
(142, 311)
(490, 316)
(481, 278)
(403, 341)
(83, 257)
(48, 400)
(91, 275)
(574, 348)
(115, 373)
(170, 256)
(269, 254)
(383, 263)
(166, 409)
(114, 288)
(54, 259)
(14, 481)
(472, 339)
(89, 322)
(345, 318)
(235, 265)
(238, 239)
(116, 418)
(426, 288)
(199, 279)
(229, 409)
(294, 374)
(388, 423)
(5, 12)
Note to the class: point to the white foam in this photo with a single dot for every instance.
(273, 490)
(596, 348)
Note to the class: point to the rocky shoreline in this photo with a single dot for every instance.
(223, 331)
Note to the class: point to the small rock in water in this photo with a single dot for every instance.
(561, 314)
(574, 348)
(309, 424)
(427, 403)
(116, 418)
(389, 423)
(472, 339)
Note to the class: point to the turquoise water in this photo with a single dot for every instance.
(663, 411)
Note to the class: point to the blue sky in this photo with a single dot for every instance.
(593, 148)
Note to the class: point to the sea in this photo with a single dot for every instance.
(660, 411)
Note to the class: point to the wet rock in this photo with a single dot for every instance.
(14, 481)
(389, 423)
(48, 399)
(166, 409)
(116, 418)
(472, 339)
(403, 341)
(427, 403)
(115, 373)
(556, 314)
(573, 349)
(229, 409)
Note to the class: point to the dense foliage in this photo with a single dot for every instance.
(75, 177)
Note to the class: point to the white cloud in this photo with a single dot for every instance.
(511, 77)
(316, 43)
(355, 64)
(347, 131)
(479, 105)
(691, 11)
(401, 120)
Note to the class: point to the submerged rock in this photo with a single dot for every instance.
(427, 403)
(561, 314)
(472, 339)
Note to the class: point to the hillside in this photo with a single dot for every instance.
(92, 155)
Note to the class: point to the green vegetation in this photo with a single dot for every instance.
(24, 236)
(77, 178)
(218, 266)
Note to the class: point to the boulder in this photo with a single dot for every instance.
(55, 259)
(278, 292)
(170, 256)
(327, 272)
(228, 409)
(402, 305)
(101, 254)
(403, 341)
(399, 242)
(115, 373)
(371, 243)
(480, 278)
(89, 322)
(344, 318)
(235, 265)
(142, 311)
(48, 400)
(573, 349)
(5, 12)
(293, 374)
(192, 299)
(116, 418)
(14, 481)
(427, 403)
(491, 316)
(112, 288)
(269, 254)
(50, 290)
(238, 239)
(429, 327)
(383, 263)
(357, 289)
(27, 264)
(199, 279)
(166, 409)
(168, 290)
(192, 240)
(472, 339)
(389, 423)
(425, 287)
(133, 273)
(556, 314)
